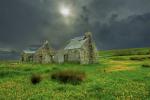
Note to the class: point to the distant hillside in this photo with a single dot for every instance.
(125, 52)
(8, 54)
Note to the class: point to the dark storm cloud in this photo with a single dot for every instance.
(131, 32)
(18, 22)
(114, 23)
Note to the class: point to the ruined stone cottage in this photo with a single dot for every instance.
(79, 50)
(38, 54)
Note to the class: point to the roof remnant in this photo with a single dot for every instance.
(76, 43)
(29, 51)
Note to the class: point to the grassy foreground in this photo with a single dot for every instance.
(116, 77)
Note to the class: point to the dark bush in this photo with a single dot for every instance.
(47, 70)
(148, 52)
(55, 68)
(127, 52)
(138, 58)
(36, 79)
(122, 53)
(118, 58)
(69, 76)
(142, 53)
(146, 65)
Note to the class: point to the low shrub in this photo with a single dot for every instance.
(122, 53)
(127, 52)
(69, 76)
(55, 68)
(142, 53)
(118, 58)
(47, 70)
(146, 65)
(148, 52)
(35, 79)
(137, 58)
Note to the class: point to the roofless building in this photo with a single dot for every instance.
(81, 50)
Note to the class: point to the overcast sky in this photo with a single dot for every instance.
(115, 24)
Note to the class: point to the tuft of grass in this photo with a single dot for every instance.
(35, 79)
(69, 76)
(138, 58)
(9, 73)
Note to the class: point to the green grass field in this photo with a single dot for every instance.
(116, 77)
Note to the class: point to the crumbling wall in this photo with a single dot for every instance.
(27, 57)
(91, 49)
(43, 56)
(72, 55)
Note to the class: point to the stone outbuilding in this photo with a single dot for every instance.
(27, 56)
(41, 54)
(81, 50)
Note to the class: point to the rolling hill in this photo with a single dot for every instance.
(120, 74)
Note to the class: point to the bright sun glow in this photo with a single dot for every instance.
(65, 11)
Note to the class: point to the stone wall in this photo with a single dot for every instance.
(84, 54)
(87, 54)
(72, 55)
(27, 57)
(91, 48)
(59, 57)
(43, 56)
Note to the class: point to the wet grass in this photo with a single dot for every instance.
(116, 77)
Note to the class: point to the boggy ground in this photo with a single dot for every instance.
(116, 77)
